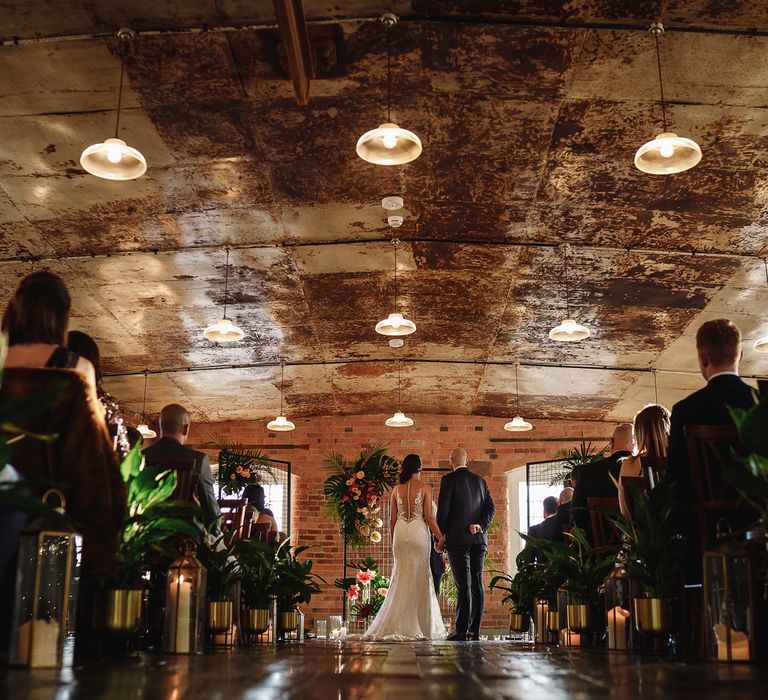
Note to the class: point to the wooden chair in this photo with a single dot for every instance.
(233, 512)
(186, 479)
(604, 532)
(654, 470)
(629, 483)
(262, 533)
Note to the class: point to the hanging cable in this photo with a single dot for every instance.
(226, 281)
(655, 386)
(657, 29)
(144, 407)
(565, 277)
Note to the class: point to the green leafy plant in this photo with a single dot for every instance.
(367, 589)
(154, 524)
(293, 581)
(651, 544)
(748, 474)
(239, 466)
(354, 489)
(581, 567)
(574, 457)
(522, 589)
(223, 568)
(257, 569)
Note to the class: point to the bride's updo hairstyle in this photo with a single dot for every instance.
(411, 465)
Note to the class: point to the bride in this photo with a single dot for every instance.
(411, 610)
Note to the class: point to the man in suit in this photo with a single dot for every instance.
(465, 510)
(718, 344)
(171, 447)
(595, 479)
(549, 528)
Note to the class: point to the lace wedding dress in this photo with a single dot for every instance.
(410, 611)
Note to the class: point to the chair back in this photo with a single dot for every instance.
(629, 484)
(604, 532)
(654, 470)
(262, 533)
(711, 450)
(186, 479)
(233, 512)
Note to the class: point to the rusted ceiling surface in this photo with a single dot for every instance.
(529, 134)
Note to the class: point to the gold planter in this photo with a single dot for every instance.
(655, 615)
(518, 622)
(581, 618)
(219, 616)
(288, 621)
(553, 621)
(256, 620)
(121, 611)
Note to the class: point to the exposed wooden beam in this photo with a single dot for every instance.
(295, 38)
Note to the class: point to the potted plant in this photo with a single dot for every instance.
(223, 573)
(653, 556)
(293, 583)
(257, 566)
(574, 458)
(520, 591)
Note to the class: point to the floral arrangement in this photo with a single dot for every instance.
(367, 590)
(354, 489)
(239, 466)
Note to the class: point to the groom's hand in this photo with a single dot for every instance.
(440, 545)
(475, 529)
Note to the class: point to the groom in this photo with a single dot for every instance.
(464, 512)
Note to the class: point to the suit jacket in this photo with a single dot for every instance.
(169, 450)
(464, 499)
(594, 481)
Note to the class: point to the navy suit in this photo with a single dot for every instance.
(465, 500)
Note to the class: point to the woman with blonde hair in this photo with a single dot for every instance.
(652, 437)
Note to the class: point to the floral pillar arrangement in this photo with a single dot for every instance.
(239, 467)
(366, 591)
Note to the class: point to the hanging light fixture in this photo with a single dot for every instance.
(281, 424)
(146, 432)
(761, 344)
(668, 153)
(518, 424)
(398, 419)
(389, 144)
(655, 387)
(395, 324)
(114, 159)
(224, 331)
(568, 331)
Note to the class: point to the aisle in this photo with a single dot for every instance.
(355, 671)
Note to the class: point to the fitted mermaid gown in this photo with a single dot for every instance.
(410, 611)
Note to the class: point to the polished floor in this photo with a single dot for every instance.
(329, 671)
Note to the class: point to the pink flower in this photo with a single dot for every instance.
(383, 592)
(353, 592)
(365, 576)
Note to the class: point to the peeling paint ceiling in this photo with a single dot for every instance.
(530, 119)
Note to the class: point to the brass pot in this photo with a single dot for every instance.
(553, 621)
(581, 617)
(256, 620)
(655, 615)
(219, 616)
(519, 622)
(288, 621)
(120, 611)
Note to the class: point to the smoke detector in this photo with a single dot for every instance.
(396, 342)
(392, 203)
(395, 221)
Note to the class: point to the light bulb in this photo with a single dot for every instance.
(569, 326)
(667, 149)
(395, 321)
(114, 153)
(389, 141)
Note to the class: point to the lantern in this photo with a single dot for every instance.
(185, 606)
(45, 580)
(729, 602)
(540, 620)
(618, 606)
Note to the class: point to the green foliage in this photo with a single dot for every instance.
(223, 568)
(257, 569)
(749, 473)
(293, 580)
(576, 457)
(239, 466)
(353, 492)
(652, 546)
(365, 598)
(154, 525)
(522, 589)
(581, 567)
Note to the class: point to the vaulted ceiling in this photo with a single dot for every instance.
(530, 117)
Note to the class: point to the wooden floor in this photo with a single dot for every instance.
(328, 671)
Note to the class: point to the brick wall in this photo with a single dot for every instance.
(492, 453)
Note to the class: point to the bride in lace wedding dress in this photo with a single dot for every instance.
(411, 610)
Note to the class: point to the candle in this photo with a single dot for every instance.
(542, 609)
(739, 644)
(570, 639)
(43, 652)
(179, 609)
(618, 625)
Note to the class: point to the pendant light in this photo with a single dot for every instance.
(281, 424)
(395, 324)
(224, 331)
(398, 419)
(146, 432)
(114, 159)
(761, 344)
(389, 144)
(655, 387)
(518, 424)
(568, 331)
(668, 153)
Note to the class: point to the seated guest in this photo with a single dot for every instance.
(85, 346)
(171, 447)
(80, 459)
(718, 344)
(596, 479)
(564, 506)
(257, 503)
(651, 435)
(549, 528)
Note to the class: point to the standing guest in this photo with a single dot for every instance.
(651, 435)
(718, 344)
(596, 479)
(85, 346)
(257, 503)
(171, 447)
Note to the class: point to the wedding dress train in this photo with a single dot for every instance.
(411, 610)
